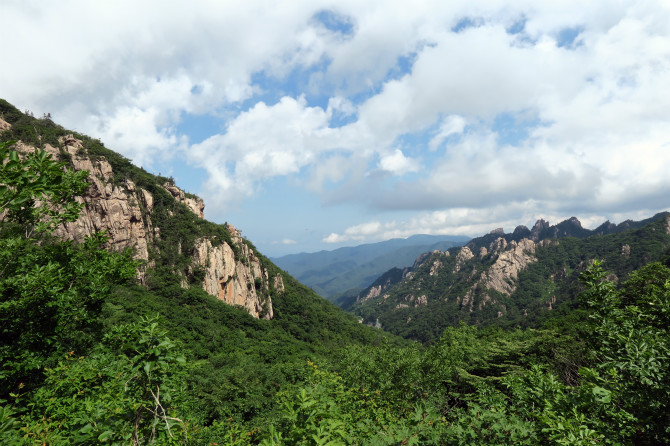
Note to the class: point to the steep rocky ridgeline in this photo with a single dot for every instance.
(138, 217)
(504, 278)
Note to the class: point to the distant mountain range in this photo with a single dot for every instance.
(510, 279)
(343, 272)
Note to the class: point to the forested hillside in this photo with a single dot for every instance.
(91, 355)
(516, 279)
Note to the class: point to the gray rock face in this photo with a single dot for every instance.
(196, 205)
(502, 275)
(505, 270)
(117, 209)
(463, 256)
(107, 207)
(229, 280)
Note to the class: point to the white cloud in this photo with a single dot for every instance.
(268, 141)
(100, 59)
(451, 125)
(398, 163)
(127, 72)
(287, 241)
(341, 105)
(473, 222)
(358, 232)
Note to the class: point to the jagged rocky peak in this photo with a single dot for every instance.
(521, 231)
(195, 204)
(605, 228)
(497, 231)
(463, 256)
(235, 233)
(575, 221)
(540, 225)
(498, 244)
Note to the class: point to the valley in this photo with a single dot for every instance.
(128, 318)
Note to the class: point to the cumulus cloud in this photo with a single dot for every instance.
(398, 163)
(110, 57)
(370, 104)
(264, 142)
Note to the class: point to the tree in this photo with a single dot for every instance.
(632, 342)
(36, 192)
(51, 291)
(124, 392)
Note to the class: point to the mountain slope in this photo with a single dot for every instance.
(332, 273)
(163, 225)
(507, 278)
(246, 344)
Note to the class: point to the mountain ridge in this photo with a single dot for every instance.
(145, 213)
(506, 278)
(332, 274)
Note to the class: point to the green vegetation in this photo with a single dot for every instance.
(545, 288)
(88, 356)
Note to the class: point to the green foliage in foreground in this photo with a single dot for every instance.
(83, 364)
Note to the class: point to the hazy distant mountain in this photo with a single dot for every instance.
(350, 269)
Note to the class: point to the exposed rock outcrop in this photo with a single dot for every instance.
(421, 300)
(236, 282)
(463, 256)
(505, 270)
(4, 125)
(435, 267)
(195, 204)
(107, 207)
(540, 226)
(278, 283)
(233, 273)
(373, 292)
(498, 245)
(501, 276)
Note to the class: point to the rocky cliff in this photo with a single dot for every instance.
(502, 278)
(139, 216)
(108, 207)
(235, 282)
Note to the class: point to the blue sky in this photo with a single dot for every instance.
(316, 124)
